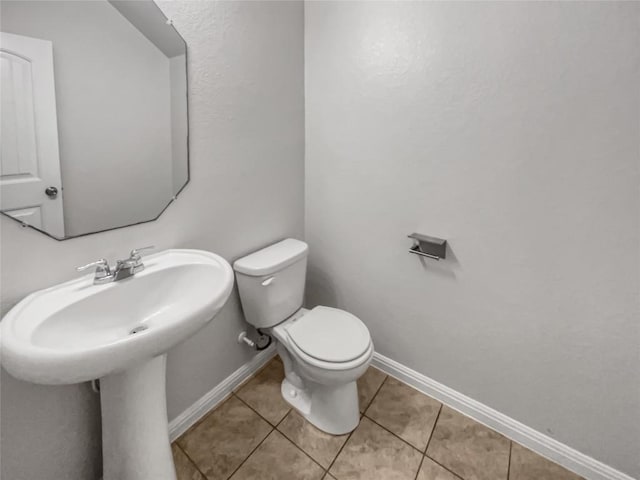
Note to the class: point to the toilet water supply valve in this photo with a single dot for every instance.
(261, 343)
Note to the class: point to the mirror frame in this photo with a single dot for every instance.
(169, 22)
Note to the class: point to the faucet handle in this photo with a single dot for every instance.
(98, 263)
(135, 253)
(102, 267)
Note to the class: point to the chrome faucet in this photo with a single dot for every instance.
(123, 269)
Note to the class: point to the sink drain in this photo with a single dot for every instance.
(138, 329)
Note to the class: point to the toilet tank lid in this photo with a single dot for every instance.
(272, 258)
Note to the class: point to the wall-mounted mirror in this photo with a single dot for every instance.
(94, 127)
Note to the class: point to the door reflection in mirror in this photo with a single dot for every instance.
(94, 105)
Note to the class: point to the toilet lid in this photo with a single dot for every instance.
(330, 334)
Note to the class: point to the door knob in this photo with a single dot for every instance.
(52, 192)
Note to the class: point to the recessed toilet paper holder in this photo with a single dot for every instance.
(430, 247)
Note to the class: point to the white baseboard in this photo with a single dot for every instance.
(542, 444)
(217, 394)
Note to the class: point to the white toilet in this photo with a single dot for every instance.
(324, 350)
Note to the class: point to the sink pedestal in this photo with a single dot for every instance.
(135, 431)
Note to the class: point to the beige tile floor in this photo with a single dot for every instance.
(403, 435)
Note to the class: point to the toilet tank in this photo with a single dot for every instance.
(271, 282)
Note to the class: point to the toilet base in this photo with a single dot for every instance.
(332, 409)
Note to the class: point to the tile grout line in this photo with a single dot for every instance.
(251, 452)
(282, 419)
(429, 442)
(203, 418)
(364, 414)
(176, 441)
(255, 374)
(351, 432)
(275, 428)
(295, 444)
(444, 468)
(300, 448)
(261, 441)
(433, 429)
(442, 405)
(195, 465)
(340, 451)
(509, 464)
(260, 415)
(424, 454)
(394, 434)
(419, 467)
(375, 394)
(541, 445)
(232, 393)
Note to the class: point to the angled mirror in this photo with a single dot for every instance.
(94, 131)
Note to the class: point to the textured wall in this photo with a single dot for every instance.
(246, 190)
(510, 129)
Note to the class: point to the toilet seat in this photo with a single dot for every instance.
(329, 338)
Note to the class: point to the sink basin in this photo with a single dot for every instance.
(119, 333)
(77, 331)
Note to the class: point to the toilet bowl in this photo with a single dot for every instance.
(324, 350)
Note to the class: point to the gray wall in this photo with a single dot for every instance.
(510, 129)
(246, 190)
(114, 111)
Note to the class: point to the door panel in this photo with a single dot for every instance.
(31, 216)
(29, 157)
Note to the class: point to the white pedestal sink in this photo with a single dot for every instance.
(119, 332)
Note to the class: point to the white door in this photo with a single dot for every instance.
(30, 160)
